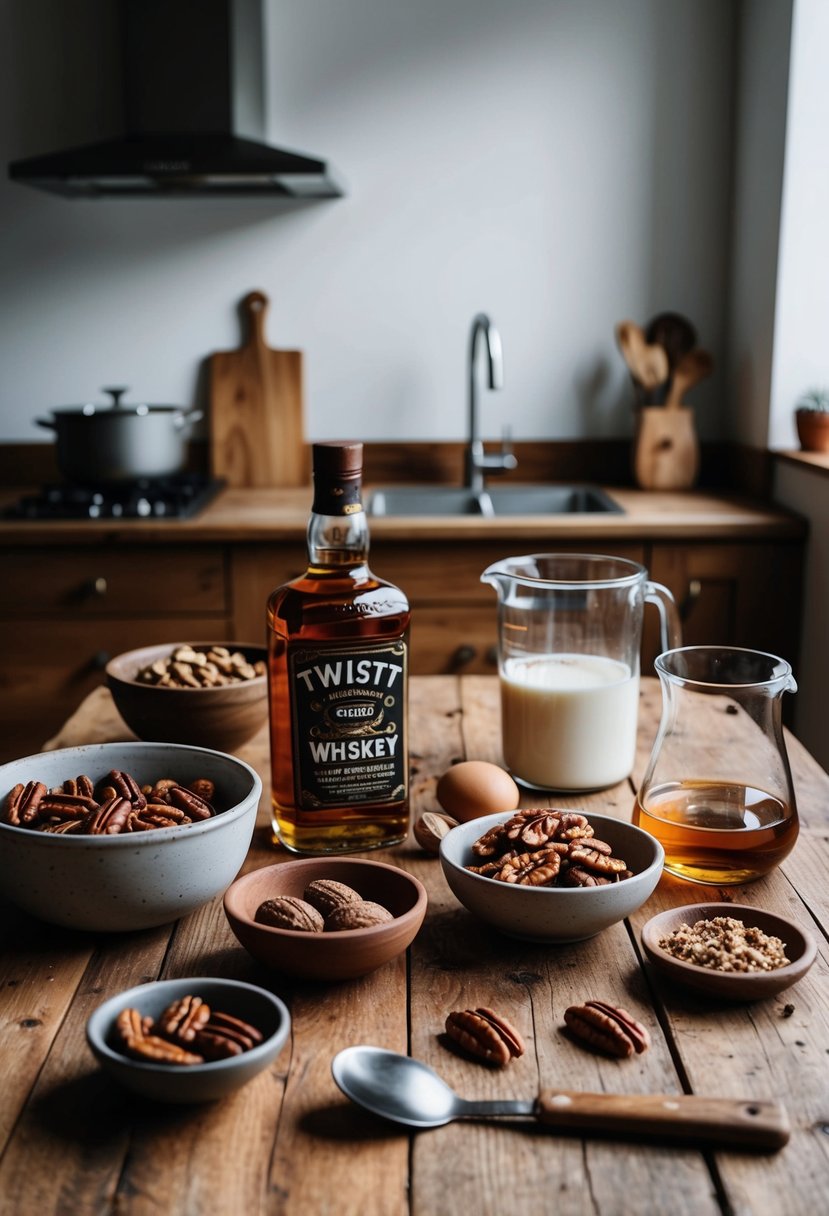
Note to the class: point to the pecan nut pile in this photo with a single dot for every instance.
(187, 667)
(539, 848)
(108, 807)
(485, 1035)
(187, 1032)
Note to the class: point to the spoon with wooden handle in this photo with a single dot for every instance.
(408, 1092)
(692, 368)
(647, 362)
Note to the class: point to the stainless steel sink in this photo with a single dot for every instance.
(490, 503)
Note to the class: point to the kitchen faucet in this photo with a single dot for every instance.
(476, 461)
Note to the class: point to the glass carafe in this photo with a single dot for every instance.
(718, 789)
(569, 635)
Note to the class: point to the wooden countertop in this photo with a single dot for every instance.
(289, 1143)
(237, 516)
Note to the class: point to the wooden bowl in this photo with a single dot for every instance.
(340, 955)
(801, 949)
(222, 718)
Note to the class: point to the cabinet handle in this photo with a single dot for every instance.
(95, 587)
(462, 657)
(691, 596)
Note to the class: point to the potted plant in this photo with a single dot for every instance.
(812, 420)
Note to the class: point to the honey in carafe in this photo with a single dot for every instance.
(716, 833)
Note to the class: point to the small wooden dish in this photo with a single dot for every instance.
(801, 948)
(327, 956)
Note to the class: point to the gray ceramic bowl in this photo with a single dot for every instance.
(137, 880)
(224, 717)
(553, 914)
(801, 949)
(190, 1082)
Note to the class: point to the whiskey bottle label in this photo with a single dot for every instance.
(348, 715)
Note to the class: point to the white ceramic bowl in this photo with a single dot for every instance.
(136, 880)
(553, 914)
(190, 1082)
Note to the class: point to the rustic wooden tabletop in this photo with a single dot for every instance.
(72, 1142)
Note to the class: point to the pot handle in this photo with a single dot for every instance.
(48, 423)
(186, 420)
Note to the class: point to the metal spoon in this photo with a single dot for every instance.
(408, 1092)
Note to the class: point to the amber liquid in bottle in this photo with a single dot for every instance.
(717, 833)
(337, 668)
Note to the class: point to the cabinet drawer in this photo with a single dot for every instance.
(49, 668)
(96, 582)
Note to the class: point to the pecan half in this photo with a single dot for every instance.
(485, 1035)
(538, 869)
(160, 1051)
(607, 1028)
(131, 1025)
(109, 819)
(577, 876)
(195, 806)
(182, 1020)
(22, 803)
(595, 861)
(225, 1035)
(204, 788)
(66, 806)
(127, 787)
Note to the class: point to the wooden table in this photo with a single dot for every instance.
(290, 1143)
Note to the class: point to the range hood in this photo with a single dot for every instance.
(194, 115)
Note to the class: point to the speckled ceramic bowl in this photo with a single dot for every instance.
(139, 879)
(190, 1082)
(553, 914)
(800, 945)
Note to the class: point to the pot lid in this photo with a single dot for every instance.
(116, 407)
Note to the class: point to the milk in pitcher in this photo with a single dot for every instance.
(569, 720)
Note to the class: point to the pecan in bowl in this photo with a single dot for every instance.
(190, 1040)
(146, 833)
(551, 876)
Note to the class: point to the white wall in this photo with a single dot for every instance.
(562, 165)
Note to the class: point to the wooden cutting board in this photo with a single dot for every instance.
(256, 409)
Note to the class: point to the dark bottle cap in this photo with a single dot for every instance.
(338, 461)
(338, 469)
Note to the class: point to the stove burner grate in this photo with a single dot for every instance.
(178, 497)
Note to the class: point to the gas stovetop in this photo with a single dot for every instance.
(177, 497)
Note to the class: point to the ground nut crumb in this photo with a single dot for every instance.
(725, 944)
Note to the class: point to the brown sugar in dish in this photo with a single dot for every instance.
(725, 944)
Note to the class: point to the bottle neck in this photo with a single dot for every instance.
(337, 541)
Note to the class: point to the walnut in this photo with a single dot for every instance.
(362, 914)
(289, 912)
(325, 894)
(607, 1028)
(485, 1035)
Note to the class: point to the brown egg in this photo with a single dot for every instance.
(475, 787)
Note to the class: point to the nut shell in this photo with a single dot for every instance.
(430, 829)
(326, 894)
(359, 915)
(289, 912)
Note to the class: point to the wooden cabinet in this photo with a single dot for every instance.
(64, 611)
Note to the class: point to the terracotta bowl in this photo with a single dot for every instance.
(190, 1082)
(553, 914)
(224, 717)
(338, 955)
(133, 880)
(801, 948)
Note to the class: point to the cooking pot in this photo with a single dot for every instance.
(114, 442)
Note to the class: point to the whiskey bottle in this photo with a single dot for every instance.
(337, 680)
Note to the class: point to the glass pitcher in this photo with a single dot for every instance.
(718, 790)
(569, 635)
